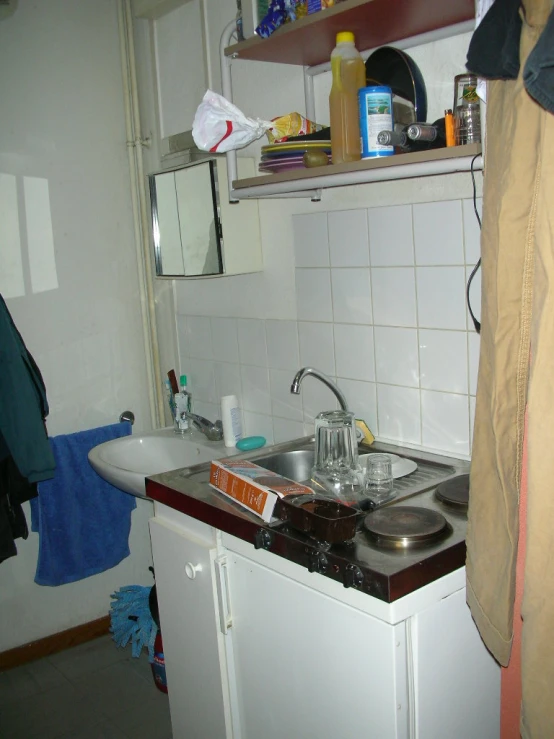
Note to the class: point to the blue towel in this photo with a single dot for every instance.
(83, 522)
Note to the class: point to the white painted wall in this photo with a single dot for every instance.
(68, 266)
(228, 329)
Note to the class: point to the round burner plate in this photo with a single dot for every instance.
(455, 492)
(404, 527)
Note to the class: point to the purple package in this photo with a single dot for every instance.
(276, 16)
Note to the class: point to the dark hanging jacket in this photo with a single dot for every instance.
(25, 454)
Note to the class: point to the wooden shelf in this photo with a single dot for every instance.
(310, 40)
(399, 166)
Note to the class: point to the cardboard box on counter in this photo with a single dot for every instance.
(254, 487)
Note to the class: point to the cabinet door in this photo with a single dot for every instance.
(193, 647)
(308, 666)
(457, 681)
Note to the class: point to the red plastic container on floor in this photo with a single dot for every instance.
(158, 665)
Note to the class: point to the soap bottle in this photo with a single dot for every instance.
(231, 420)
(348, 70)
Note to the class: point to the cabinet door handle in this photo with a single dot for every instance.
(192, 570)
(223, 603)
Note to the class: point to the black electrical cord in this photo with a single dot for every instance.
(476, 323)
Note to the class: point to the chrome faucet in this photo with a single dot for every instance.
(301, 374)
(212, 431)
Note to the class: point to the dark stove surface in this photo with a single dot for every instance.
(384, 573)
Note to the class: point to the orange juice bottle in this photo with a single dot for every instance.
(348, 70)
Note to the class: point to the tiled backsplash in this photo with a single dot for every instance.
(380, 307)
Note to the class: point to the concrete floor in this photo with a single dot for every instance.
(94, 691)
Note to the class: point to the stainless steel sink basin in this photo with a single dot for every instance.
(295, 465)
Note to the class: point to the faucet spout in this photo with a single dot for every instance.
(212, 431)
(301, 374)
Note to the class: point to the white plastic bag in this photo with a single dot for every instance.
(220, 126)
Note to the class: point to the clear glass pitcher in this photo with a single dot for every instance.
(336, 456)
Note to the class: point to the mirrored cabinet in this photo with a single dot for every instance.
(196, 232)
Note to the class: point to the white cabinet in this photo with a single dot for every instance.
(196, 231)
(310, 666)
(262, 649)
(193, 644)
(312, 659)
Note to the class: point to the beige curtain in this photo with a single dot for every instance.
(516, 368)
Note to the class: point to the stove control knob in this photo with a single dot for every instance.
(353, 576)
(317, 562)
(263, 539)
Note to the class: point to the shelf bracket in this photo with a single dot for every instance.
(227, 91)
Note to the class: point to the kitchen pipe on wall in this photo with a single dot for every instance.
(135, 142)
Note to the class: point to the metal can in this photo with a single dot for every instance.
(375, 111)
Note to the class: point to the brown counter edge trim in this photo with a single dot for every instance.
(377, 586)
(420, 574)
(385, 588)
(55, 643)
(202, 511)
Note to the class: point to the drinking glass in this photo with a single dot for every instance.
(467, 110)
(378, 480)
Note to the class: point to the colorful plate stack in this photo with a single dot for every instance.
(289, 155)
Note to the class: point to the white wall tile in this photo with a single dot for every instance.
(201, 380)
(311, 244)
(445, 421)
(183, 343)
(257, 424)
(396, 356)
(316, 397)
(348, 238)
(211, 411)
(225, 339)
(398, 409)
(227, 380)
(351, 295)
(252, 343)
(198, 337)
(472, 402)
(313, 295)
(443, 360)
(282, 345)
(394, 296)
(391, 241)
(474, 347)
(362, 400)
(472, 232)
(317, 348)
(354, 352)
(438, 233)
(287, 430)
(284, 404)
(441, 297)
(255, 389)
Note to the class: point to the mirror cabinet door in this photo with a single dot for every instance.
(185, 221)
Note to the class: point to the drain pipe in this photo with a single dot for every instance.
(140, 211)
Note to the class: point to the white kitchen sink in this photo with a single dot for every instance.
(127, 461)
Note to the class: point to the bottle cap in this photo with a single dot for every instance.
(183, 380)
(343, 36)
